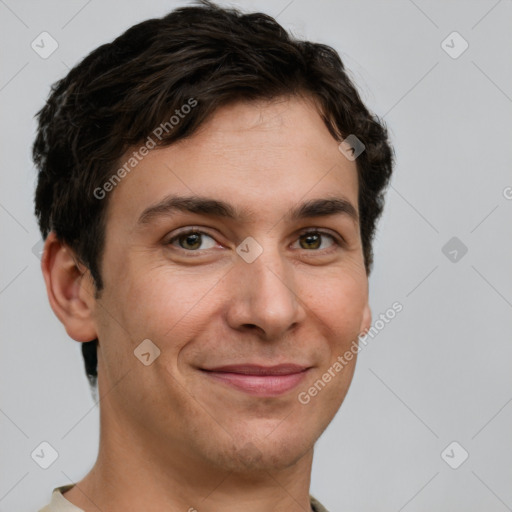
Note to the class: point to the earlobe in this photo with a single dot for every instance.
(70, 289)
(366, 321)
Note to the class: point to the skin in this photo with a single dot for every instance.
(172, 438)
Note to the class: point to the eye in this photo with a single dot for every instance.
(191, 240)
(312, 239)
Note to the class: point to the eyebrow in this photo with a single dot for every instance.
(215, 208)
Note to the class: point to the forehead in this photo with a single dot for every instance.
(259, 156)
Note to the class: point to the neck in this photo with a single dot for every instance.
(134, 471)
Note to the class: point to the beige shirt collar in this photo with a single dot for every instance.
(60, 504)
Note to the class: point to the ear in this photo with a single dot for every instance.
(366, 321)
(70, 289)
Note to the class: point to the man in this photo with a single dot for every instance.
(208, 191)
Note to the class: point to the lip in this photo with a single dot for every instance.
(259, 380)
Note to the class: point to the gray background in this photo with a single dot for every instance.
(439, 372)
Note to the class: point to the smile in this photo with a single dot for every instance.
(259, 380)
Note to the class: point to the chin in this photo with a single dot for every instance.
(267, 454)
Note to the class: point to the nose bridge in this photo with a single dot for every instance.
(265, 295)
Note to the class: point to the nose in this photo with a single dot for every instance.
(265, 296)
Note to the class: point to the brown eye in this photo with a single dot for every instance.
(191, 240)
(312, 240)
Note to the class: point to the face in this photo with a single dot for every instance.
(249, 302)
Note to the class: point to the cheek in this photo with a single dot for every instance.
(168, 306)
(338, 301)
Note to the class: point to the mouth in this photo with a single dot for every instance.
(259, 380)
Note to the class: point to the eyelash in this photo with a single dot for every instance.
(340, 243)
